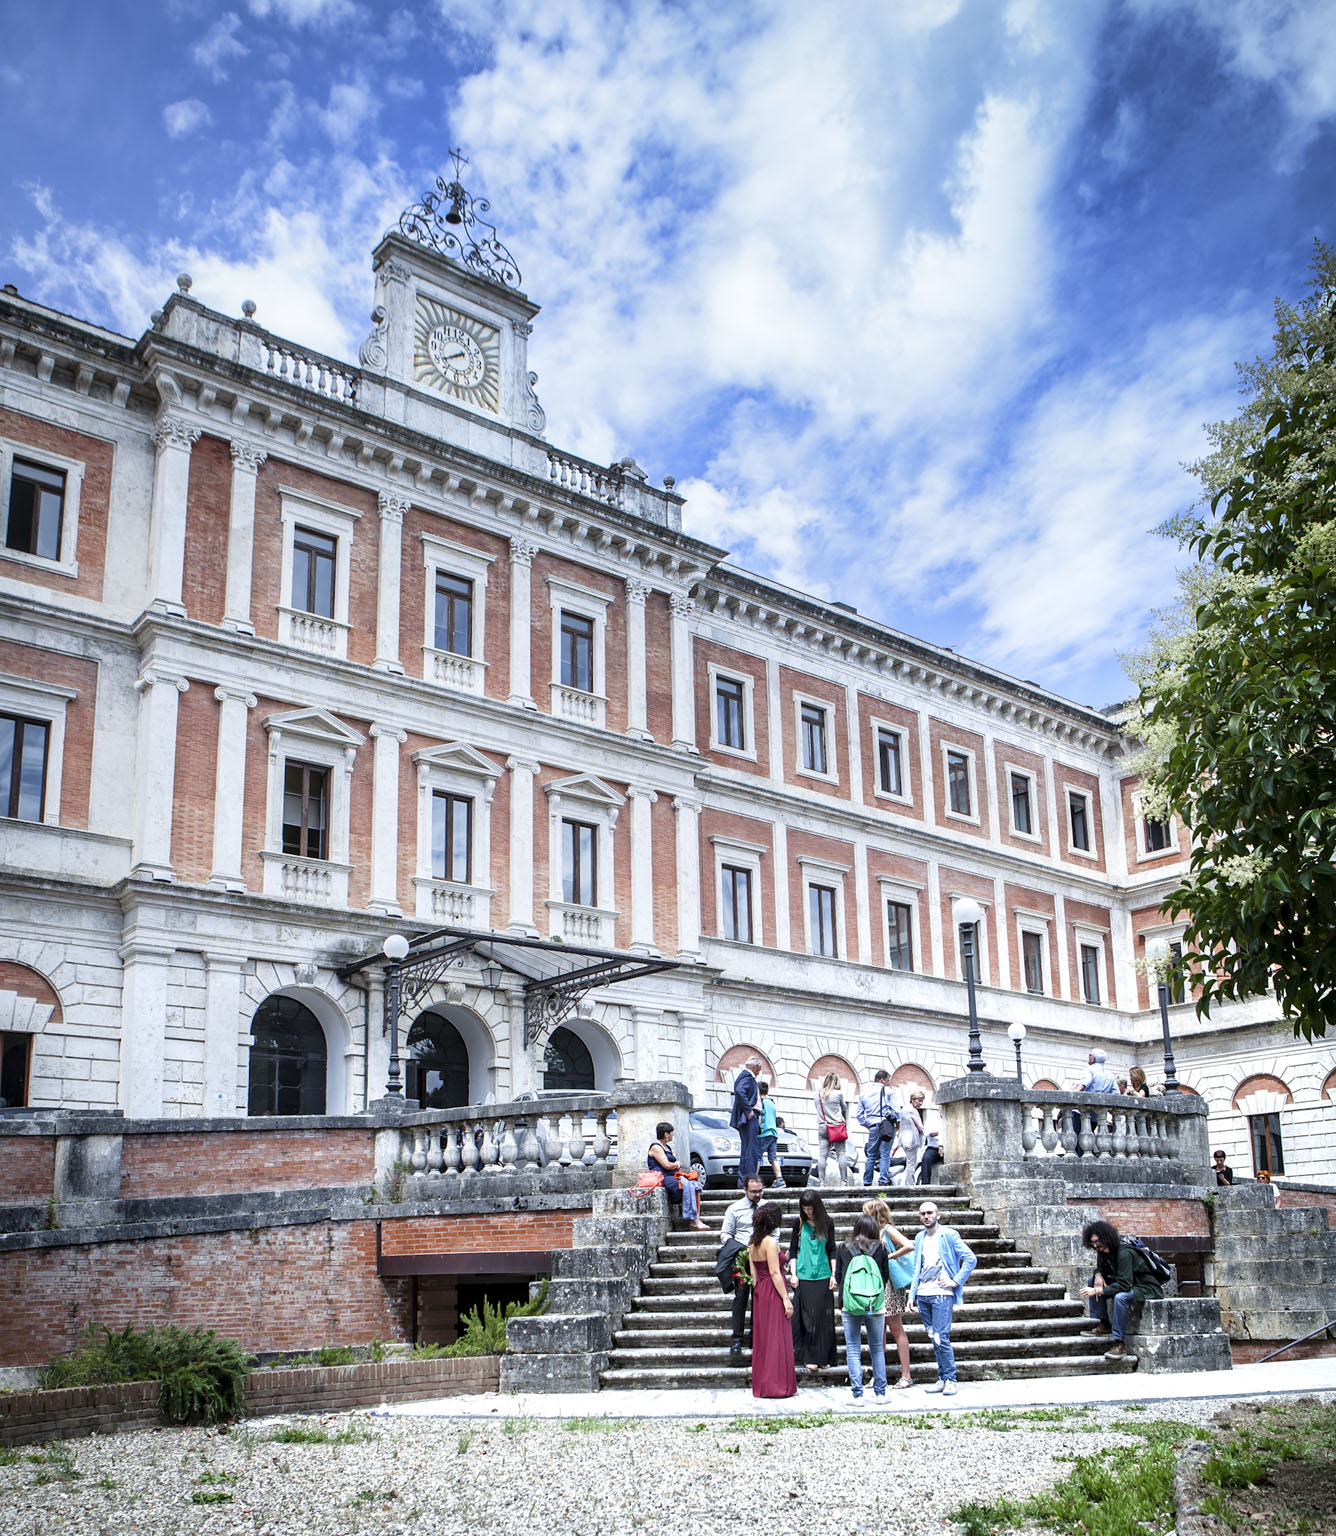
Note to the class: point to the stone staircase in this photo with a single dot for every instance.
(1014, 1321)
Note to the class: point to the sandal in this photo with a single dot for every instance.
(903, 1382)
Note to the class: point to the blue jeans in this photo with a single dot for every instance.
(936, 1312)
(878, 1152)
(1122, 1305)
(876, 1344)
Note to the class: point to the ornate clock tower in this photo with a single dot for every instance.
(451, 322)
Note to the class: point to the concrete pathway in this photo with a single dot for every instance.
(1277, 1377)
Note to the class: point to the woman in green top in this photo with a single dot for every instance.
(812, 1270)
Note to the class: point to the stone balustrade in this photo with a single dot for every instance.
(309, 370)
(576, 704)
(1074, 1127)
(586, 479)
(462, 673)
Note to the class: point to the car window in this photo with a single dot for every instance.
(701, 1118)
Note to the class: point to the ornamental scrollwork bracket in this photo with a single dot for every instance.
(450, 220)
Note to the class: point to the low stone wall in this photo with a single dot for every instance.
(29, 1417)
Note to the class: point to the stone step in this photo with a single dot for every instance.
(906, 1194)
(703, 1246)
(670, 1295)
(690, 1279)
(647, 1330)
(638, 1354)
(975, 1370)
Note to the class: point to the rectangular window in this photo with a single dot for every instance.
(451, 837)
(454, 614)
(314, 557)
(15, 1064)
(1264, 1133)
(821, 912)
(970, 936)
(577, 651)
(899, 936)
(1090, 973)
(737, 903)
(1157, 835)
(1177, 991)
(579, 872)
(36, 506)
(729, 699)
(813, 720)
(1022, 819)
(1032, 951)
(23, 746)
(306, 810)
(1078, 809)
(890, 767)
(958, 783)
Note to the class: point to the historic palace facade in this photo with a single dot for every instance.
(295, 654)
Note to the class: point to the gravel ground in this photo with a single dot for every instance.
(583, 1477)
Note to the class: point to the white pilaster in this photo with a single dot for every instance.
(144, 1012)
(522, 772)
(388, 570)
(155, 773)
(773, 708)
(167, 519)
(234, 705)
(1004, 928)
(693, 1054)
(934, 896)
(862, 901)
(855, 744)
(683, 670)
(642, 870)
(522, 552)
(1061, 969)
(688, 877)
(385, 820)
(646, 1024)
(637, 712)
(780, 834)
(222, 1016)
(246, 461)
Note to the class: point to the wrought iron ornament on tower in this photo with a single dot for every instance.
(449, 220)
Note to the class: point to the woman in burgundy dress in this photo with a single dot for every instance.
(773, 1373)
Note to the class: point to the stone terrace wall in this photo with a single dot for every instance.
(243, 1161)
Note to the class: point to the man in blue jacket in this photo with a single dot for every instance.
(943, 1261)
(878, 1115)
(746, 1120)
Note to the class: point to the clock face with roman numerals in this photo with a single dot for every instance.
(457, 355)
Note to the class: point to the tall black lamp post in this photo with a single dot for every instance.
(968, 914)
(1016, 1032)
(395, 950)
(1161, 957)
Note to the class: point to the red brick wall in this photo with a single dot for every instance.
(1154, 1218)
(724, 824)
(208, 511)
(659, 667)
(68, 672)
(736, 664)
(1139, 862)
(915, 873)
(29, 983)
(94, 500)
(1009, 757)
(1307, 1200)
(911, 762)
(964, 884)
(809, 845)
(663, 824)
(1096, 917)
(417, 596)
(514, 1232)
(197, 714)
(27, 1169)
(242, 1162)
(1033, 901)
(837, 731)
(543, 633)
(1065, 778)
(941, 736)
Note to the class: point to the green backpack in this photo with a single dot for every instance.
(864, 1290)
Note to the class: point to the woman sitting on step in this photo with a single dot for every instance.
(679, 1184)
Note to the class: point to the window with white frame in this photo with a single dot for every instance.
(39, 504)
(891, 762)
(579, 625)
(583, 813)
(453, 880)
(579, 862)
(1157, 835)
(823, 906)
(1079, 832)
(816, 750)
(456, 614)
(32, 748)
(899, 936)
(311, 757)
(451, 837)
(1092, 965)
(1032, 959)
(317, 564)
(732, 728)
(1021, 796)
(738, 883)
(306, 809)
(959, 764)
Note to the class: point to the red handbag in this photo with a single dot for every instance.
(837, 1130)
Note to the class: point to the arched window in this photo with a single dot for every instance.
(570, 1067)
(908, 1077)
(735, 1058)
(843, 1069)
(287, 1061)
(1046, 1083)
(437, 1073)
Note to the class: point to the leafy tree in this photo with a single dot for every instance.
(1237, 687)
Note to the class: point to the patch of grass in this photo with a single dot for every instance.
(216, 1478)
(464, 1441)
(767, 1424)
(1003, 1419)
(375, 1495)
(517, 1424)
(8, 1456)
(598, 1426)
(106, 1482)
(317, 1434)
(1236, 1465)
(202, 1376)
(211, 1496)
(696, 1429)
(1170, 1431)
(54, 1465)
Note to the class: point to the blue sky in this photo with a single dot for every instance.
(923, 303)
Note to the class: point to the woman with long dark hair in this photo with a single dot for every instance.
(773, 1374)
(812, 1271)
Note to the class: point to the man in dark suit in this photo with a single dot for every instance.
(746, 1120)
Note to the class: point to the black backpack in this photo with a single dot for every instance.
(1158, 1267)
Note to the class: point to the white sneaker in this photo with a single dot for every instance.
(948, 1389)
(937, 1386)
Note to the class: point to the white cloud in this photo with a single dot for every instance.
(303, 13)
(351, 106)
(182, 118)
(219, 45)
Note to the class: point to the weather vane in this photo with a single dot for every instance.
(449, 220)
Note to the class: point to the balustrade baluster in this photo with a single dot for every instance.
(434, 1152)
(509, 1148)
(452, 1150)
(1050, 1128)
(556, 1145)
(1120, 1133)
(468, 1149)
(602, 1144)
(527, 1141)
(419, 1151)
(488, 1148)
(575, 1147)
(1029, 1136)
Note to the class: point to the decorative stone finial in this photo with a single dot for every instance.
(669, 481)
(248, 307)
(184, 281)
(156, 317)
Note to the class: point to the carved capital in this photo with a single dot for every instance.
(155, 675)
(223, 694)
(685, 806)
(393, 506)
(390, 732)
(247, 456)
(637, 590)
(681, 605)
(522, 551)
(641, 792)
(521, 765)
(522, 328)
(173, 432)
(394, 272)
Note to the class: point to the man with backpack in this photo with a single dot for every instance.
(862, 1275)
(943, 1261)
(1125, 1271)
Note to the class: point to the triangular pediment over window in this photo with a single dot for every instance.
(458, 757)
(585, 786)
(313, 725)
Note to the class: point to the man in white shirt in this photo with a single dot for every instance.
(1098, 1078)
(738, 1219)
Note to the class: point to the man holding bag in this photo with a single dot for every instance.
(878, 1116)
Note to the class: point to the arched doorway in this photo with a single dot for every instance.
(288, 1061)
(568, 1063)
(437, 1064)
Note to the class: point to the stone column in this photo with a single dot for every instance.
(645, 1026)
(222, 1017)
(234, 705)
(684, 689)
(783, 936)
(642, 869)
(385, 820)
(246, 461)
(144, 1027)
(155, 772)
(167, 519)
(688, 877)
(388, 568)
(522, 772)
(522, 552)
(693, 1053)
(637, 712)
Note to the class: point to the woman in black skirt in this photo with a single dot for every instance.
(812, 1270)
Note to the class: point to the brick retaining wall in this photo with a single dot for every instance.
(244, 1162)
(1152, 1218)
(29, 1417)
(510, 1233)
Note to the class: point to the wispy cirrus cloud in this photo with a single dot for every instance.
(182, 118)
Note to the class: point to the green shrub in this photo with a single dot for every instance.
(484, 1332)
(203, 1377)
